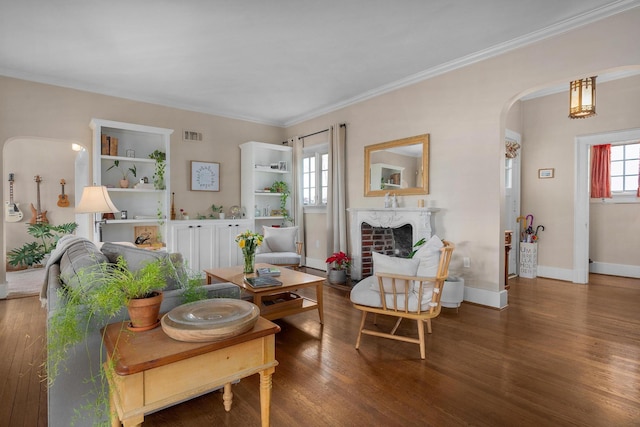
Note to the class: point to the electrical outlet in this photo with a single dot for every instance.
(466, 262)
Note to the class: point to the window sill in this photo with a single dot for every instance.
(315, 209)
(616, 200)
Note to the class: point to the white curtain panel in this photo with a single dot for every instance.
(297, 201)
(336, 200)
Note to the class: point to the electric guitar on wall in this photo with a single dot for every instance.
(63, 199)
(12, 210)
(38, 217)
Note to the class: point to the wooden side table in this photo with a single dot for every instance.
(153, 371)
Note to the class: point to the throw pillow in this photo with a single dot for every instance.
(429, 257)
(393, 265)
(280, 239)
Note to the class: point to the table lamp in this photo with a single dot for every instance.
(96, 200)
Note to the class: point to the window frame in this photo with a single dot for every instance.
(619, 197)
(316, 151)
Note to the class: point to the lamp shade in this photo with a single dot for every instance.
(95, 199)
(582, 98)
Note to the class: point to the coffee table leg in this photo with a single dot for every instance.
(265, 395)
(227, 397)
(319, 292)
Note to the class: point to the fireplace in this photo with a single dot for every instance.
(388, 231)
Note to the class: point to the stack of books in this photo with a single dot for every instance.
(262, 282)
(268, 271)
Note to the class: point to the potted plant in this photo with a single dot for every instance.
(218, 210)
(339, 263)
(124, 182)
(161, 163)
(282, 188)
(47, 236)
(100, 295)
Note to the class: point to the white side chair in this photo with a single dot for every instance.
(280, 247)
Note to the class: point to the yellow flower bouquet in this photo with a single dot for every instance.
(249, 242)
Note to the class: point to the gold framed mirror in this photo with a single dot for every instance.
(397, 167)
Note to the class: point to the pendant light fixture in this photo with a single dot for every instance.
(582, 98)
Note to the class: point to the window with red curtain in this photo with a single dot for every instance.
(601, 171)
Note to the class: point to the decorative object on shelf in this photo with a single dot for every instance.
(582, 98)
(147, 236)
(219, 210)
(339, 263)
(173, 206)
(235, 212)
(205, 176)
(160, 158)
(249, 241)
(131, 153)
(282, 188)
(124, 182)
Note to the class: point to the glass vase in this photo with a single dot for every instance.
(249, 262)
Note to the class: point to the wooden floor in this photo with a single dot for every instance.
(559, 355)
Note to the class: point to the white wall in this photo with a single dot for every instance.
(465, 113)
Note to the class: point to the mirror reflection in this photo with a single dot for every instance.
(397, 167)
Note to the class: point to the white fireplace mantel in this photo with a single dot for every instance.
(420, 220)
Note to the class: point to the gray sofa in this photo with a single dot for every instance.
(70, 391)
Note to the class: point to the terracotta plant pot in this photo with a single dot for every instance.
(144, 312)
(124, 183)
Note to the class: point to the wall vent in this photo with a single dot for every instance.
(191, 135)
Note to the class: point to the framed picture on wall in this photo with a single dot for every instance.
(205, 176)
(545, 173)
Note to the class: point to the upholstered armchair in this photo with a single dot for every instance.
(405, 289)
(280, 247)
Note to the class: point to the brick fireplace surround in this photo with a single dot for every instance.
(365, 222)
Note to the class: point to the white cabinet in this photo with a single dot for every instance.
(206, 244)
(228, 251)
(144, 205)
(385, 177)
(261, 165)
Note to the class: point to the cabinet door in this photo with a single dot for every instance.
(205, 251)
(229, 254)
(183, 242)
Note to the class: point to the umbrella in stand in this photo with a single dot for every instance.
(529, 230)
(524, 226)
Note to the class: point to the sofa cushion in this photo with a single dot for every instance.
(80, 263)
(136, 258)
(279, 258)
(366, 292)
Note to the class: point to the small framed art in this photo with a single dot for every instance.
(545, 173)
(205, 176)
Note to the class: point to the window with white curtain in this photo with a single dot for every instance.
(315, 175)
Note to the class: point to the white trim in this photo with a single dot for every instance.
(615, 269)
(563, 274)
(581, 196)
(499, 49)
(486, 297)
(4, 290)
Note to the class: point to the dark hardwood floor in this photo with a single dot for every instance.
(559, 355)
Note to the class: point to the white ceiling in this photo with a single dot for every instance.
(277, 62)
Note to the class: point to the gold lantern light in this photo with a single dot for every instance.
(582, 98)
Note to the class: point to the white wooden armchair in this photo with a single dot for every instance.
(404, 297)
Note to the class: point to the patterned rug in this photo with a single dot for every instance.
(25, 283)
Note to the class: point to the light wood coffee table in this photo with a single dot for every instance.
(152, 371)
(291, 280)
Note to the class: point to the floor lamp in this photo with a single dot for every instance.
(96, 200)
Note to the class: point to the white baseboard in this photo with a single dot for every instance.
(486, 297)
(555, 273)
(318, 264)
(615, 269)
(4, 290)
